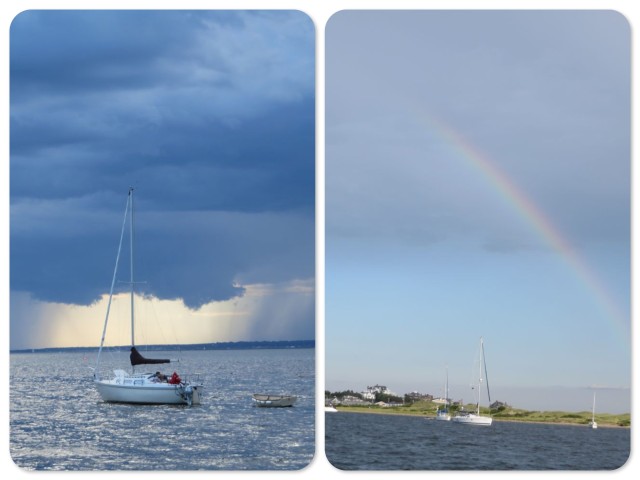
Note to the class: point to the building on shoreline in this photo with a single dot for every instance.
(370, 393)
(417, 397)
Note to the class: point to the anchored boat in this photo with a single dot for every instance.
(443, 413)
(471, 418)
(593, 422)
(265, 400)
(147, 387)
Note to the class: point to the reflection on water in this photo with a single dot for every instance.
(58, 421)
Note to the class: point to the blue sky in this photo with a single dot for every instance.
(211, 116)
(435, 123)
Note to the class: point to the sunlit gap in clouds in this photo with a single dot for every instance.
(266, 312)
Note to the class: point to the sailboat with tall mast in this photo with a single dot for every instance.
(593, 422)
(471, 418)
(148, 387)
(443, 413)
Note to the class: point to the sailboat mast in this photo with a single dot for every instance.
(133, 343)
(446, 389)
(479, 378)
(113, 282)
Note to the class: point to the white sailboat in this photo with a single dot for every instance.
(149, 387)
(471, 418)
(593, 422)
(443, 414)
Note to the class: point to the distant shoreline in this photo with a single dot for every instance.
(379, 411)
(246, 345)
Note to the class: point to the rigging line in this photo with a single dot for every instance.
(486, 377)
(113, 282)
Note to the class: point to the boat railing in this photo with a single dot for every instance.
(105, 372)
(192, 377)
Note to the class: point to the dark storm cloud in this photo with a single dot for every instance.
(210, 115)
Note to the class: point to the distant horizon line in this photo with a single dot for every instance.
(523, 387)
(237, 345)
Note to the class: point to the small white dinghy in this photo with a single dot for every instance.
(265, 400)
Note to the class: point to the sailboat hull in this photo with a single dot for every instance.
(443, 416)
(472, 419)
(148, 393)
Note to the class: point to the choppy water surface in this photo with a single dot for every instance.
(361, 441)
(59, 422)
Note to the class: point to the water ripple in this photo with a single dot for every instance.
(361, 441)
(64, 425)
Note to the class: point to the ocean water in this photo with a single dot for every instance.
(361, 441)
(59, 422)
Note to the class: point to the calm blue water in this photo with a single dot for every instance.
(361, 441)
(59, 422)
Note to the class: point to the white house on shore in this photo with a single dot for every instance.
(370, 393)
